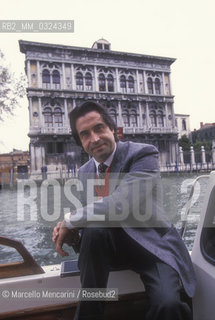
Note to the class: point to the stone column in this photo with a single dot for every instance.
(203, 157)
(43, 155)
(192, 158)
(39, 76)
(73, 76)
(63, 77)
(181, 158)
(170, 86)
(29, 73)
(41, 124)
(173, 116)
(38, 153)
(73, 104)
(140, 115)
(117, 81)
(32, 153)
(145, 82)
(164, 88)
(30, 112)
(66, 124)
(138, 84)
(148, 123)
(173, 152)
(120, 114)
(166, 116)
(96, 79)
(181, 155)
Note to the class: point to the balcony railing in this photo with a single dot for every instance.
(139, 130)
(126, 130)
(50, 130)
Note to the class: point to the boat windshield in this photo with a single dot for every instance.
(207, 241)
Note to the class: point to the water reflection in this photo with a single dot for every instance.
(34, 227)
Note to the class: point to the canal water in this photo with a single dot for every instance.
(34, 228)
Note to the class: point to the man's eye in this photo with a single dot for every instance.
(84, 134)
(99, 128)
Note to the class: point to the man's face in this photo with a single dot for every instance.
(96, 137)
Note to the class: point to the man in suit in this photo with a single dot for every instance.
(125, 224)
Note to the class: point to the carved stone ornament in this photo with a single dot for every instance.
(35, 142)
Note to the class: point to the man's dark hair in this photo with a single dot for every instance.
(83, 109)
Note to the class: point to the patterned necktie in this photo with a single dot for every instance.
(102, 167)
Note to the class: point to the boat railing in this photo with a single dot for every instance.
(28, 266)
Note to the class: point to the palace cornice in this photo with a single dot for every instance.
(72, 52)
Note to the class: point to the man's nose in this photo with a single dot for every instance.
(94, 137)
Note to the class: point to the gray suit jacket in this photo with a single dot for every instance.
(135, 204)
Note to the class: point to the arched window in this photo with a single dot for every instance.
(110, 83)
(153, 119)
(102, 82)
(48, 117)
(133, 118)
(113, 115)
(46, 78)
(160, 119)
(123, 84)
(184, 127)
(88, 81)
(56, 79)
(130, 84)
(157, 86)
(79, 81)
(150, 85)
(126, 118)
(58, 119)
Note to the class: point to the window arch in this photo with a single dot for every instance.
(113, 115)
(133, 118)
(56, 79)
(184, 126)
(102, 82)
(46, 78)
(88, 81)
(48, 117)
(58, 119)
(150, 85)
(79, 81)
(160, 119)
(123, 83)
(110, 83)
(130, 84)
(157, 86)
(153, 119)
(126, 118)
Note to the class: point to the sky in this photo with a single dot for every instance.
(181, 29)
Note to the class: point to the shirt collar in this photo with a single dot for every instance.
(107, 161)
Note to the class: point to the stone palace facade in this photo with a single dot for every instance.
(135, 88)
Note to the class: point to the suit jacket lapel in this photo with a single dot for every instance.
(116, 167)
(88, 173)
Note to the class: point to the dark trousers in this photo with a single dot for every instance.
(104, 248)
